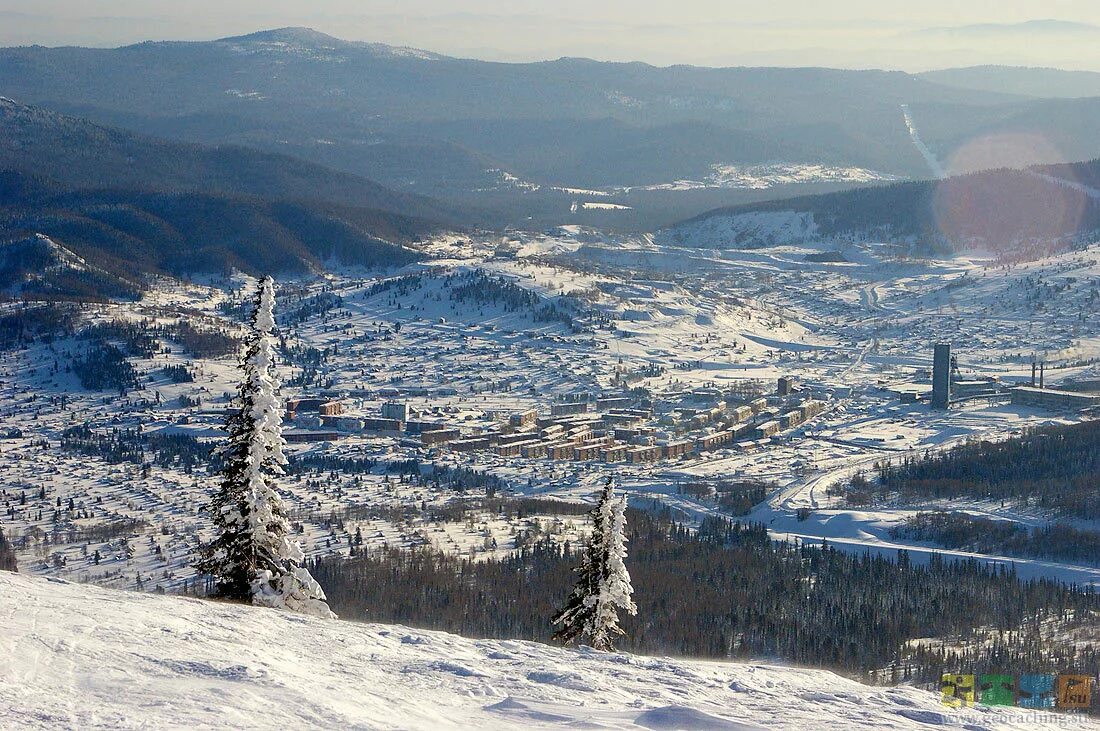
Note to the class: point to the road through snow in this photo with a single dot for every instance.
(867, 530)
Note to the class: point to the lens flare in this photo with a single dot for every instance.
(985, 208)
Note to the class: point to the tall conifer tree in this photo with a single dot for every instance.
(253, 559)
(603, 588)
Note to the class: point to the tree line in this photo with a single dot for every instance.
(723, 590)
(1056, 468)
(1058, 541)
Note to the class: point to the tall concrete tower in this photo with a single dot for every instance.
(941, 376)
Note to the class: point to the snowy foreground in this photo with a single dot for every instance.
(77, 656)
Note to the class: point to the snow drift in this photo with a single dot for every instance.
(78, 656)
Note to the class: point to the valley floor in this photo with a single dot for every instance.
(78, 656)
(690, 326)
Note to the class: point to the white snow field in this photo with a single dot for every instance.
(75, 656)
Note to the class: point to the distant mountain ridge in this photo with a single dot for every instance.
(494, 141)
(1027, 28)
(497, 142)
(307, 38)
(1035, 82)
(386, 113)
(79, 152)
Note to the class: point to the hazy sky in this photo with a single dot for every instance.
(859, 33)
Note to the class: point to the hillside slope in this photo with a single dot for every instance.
(129, 234)
(77, 656)
(1006, 212)
(77, 152)
(36, 266)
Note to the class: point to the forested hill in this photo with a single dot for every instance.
(80, 153)
(1013, 213)
(87, 211)
(724, 590)
(102, 243)
(1055, 467)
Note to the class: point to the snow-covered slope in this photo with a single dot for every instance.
(752, 230)
(77, 656)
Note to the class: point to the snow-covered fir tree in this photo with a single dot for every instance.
(616, 591)
(603, 589)
(253, 559)
(579, 609)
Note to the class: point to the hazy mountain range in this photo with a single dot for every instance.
(288, 132)
(421, 122)
(1035, 82)
(1032, 30)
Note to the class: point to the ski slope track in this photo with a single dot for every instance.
(929, 156)
(75, 656)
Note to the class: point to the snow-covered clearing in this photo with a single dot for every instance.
(769, 175)
(604, 206)
(82, 657)
(755, 229)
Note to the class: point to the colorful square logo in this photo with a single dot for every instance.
(1074, 691)
(997, 690)
(957, 690)
(1036, 691)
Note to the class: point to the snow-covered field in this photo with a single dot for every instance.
(81, 657)
(718, 176)
(769, 175)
